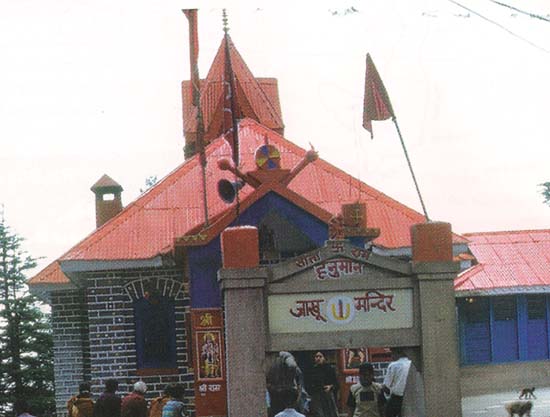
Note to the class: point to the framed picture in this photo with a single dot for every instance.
(352, 358)
(209, 354)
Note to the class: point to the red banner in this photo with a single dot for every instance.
(208, 361)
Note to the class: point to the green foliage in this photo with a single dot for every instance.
(545, 192)
(26, 346)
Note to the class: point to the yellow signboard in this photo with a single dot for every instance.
(337, 311)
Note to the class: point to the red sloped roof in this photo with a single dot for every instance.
(257, 98)
(506, 260)
(173, 207)
(52, 274)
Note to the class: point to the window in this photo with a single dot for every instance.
(155, 331)
(279, 239)
(536, 307)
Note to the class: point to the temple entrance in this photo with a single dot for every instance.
(345, 363)
(342, 299)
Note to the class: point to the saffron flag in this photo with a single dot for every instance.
(191, 15)
(376, 105)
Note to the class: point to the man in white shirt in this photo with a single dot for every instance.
(395, 382)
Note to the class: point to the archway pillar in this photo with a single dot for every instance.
(435, 270)
(242, 283)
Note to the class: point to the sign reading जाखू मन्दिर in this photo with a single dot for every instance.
(332, 311)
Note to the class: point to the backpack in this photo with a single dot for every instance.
(157, 404)
(80, 407)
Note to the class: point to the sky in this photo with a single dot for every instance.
(92, 88)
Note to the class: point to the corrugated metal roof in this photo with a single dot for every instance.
(52, 274)
(257, 98)
(506, 260)
(173, 207)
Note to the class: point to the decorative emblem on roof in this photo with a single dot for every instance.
(268, 161)
(267, 157)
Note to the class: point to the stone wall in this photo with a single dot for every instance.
(513, 376)
(71, 344)
(103, 337)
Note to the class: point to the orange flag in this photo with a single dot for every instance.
(377, 105)
(191, 15)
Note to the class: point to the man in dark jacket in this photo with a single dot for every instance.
(323, 388)
(134, 404)
(108, 403)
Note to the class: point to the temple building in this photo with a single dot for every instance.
(142, 296)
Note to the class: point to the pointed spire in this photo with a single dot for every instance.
(225, 22)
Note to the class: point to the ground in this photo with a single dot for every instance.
(493, 405)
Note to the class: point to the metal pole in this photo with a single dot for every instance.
(411, 169)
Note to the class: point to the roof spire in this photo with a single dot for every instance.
(225, 20)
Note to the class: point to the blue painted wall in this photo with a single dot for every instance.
(205, 261)
(504, 329)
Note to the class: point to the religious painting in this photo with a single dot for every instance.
(209, 354)
(352, 358)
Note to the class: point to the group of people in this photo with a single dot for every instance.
(110, 404)
(288, 398)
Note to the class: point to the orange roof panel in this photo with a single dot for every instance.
(173, 207)
(506, 260)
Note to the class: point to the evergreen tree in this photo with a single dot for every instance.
(26, 346)
(545, 192)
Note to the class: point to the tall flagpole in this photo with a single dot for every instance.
(191, 15)
(377, 106)
(394, 119)
(232, 92)
(230, 82)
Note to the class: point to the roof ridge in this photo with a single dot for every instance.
(251, 78)
(356, 183)
(504, 232)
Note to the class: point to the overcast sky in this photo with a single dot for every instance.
(88, 88)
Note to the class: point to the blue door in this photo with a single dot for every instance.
(505, 329)
(537, 331)
(475, 330)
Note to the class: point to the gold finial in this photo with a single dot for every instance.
(224, 19)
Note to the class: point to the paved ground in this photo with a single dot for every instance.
(493, 405)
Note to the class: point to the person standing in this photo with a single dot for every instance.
(175, 407)
(285, 374)
(134, 404)
(365, 398)
(323, 388)
(81, 405)
(395, 382)
(158, 403)
(108, 403)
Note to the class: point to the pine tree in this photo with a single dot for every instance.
(26, 346)
(545, 192)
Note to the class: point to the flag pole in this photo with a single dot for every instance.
(191, 15)
(394, 119)
(228, 73)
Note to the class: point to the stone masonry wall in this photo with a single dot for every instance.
(110, 330)
(71, 347)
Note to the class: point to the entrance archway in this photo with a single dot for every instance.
(336, 297)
